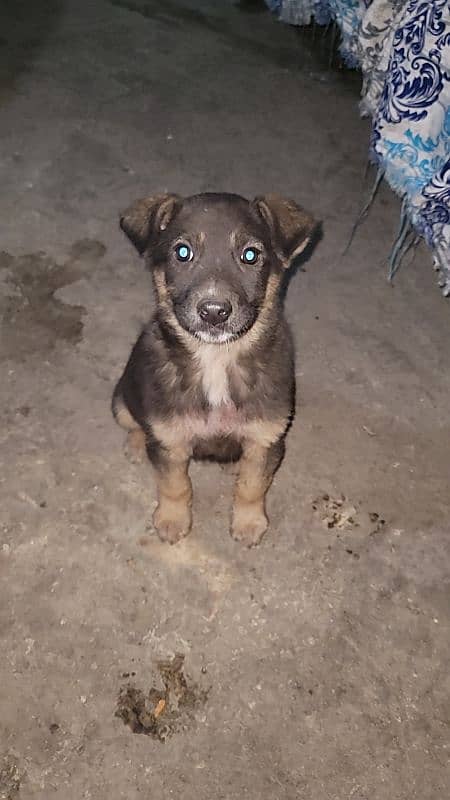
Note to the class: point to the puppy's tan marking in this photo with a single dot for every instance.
(123, 416)
(265, 432)
(180, 430)
(257, 330)
(162, 293)
(135, 446)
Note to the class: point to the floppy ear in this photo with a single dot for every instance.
(290, 225)
(146, 218)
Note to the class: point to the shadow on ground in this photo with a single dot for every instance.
(24, 28)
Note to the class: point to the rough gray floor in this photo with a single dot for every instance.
(326, 650)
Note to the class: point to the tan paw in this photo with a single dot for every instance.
(172, 521)
(135, 447)
(249, 523)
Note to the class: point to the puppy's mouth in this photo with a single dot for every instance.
(215, 336)
(215, 321)
(218, 334)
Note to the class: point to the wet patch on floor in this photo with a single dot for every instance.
(161, 712)
(10, 778)
(34, 320)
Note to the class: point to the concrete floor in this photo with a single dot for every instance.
(325, 651)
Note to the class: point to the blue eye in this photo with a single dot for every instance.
(250, 255)
(184, 252)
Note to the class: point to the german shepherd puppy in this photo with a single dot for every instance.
(212, 374)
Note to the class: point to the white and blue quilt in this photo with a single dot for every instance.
(403, 50)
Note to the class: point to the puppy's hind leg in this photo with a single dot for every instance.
(135, 444)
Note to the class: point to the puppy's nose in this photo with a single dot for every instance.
(214, 311)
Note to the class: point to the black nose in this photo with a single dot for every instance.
(214, 311)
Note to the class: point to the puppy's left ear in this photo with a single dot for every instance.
(291, 227)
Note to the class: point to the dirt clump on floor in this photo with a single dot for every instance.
(10, 778)
(162, 711)
(343, 515)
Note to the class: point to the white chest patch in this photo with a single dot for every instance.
(214, 362)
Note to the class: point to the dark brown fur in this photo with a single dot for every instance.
(209, 389)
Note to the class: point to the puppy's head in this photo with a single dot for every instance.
(214, 256)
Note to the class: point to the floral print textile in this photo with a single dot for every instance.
(403, 50)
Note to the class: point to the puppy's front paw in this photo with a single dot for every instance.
(172, 521)
(249, 523)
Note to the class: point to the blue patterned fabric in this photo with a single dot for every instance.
(403, 49)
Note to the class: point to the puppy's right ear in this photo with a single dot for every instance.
(145, 219)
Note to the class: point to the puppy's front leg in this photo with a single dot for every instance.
(172, 518)
(258, 465)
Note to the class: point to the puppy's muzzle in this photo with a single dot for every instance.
(214, 312)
